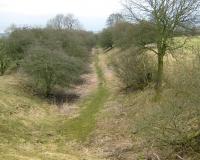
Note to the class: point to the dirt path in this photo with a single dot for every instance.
(84, 90)
(53, 133)
(96, 125)
(112, 137)
(81, 126)
(80, 121)
(102, 123)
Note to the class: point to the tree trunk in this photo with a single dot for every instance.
(159, 73)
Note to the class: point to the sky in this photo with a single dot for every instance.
(91, 13)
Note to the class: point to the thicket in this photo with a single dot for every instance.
(50, 57)
(49, 68)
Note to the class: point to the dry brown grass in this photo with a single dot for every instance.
(29, 126)
(120, 133)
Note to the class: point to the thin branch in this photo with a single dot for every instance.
(158, 158)
(151, 49)
(179, 157)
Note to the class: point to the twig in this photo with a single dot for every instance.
(179, 157)
(158, 158)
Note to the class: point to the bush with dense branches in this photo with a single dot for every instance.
(49, 68)
(133, 68)
(51, 57)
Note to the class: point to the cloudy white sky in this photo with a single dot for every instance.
(91, 13)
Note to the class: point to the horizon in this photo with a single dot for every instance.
(92, 15)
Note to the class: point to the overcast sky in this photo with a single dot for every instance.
(91, 13)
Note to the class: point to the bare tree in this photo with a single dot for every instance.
(56, 22)
(167, 16)
(114, 19)
(61, 21)
(70, 22)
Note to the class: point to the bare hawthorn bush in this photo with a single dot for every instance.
(133, 68)
(50, 68)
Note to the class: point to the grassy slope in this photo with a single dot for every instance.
(123, 117)
(32, 129)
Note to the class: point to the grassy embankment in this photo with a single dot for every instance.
(30, 128)
(161, 128)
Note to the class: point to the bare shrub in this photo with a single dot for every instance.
(49, 68)
(133, 68)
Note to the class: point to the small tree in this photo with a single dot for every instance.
(106, 38)
(114, 19)
(167, 16)
(49, 68)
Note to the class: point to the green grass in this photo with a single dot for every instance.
(81, 127)
(99, 70)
